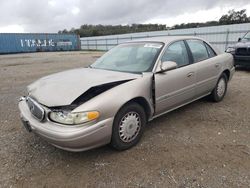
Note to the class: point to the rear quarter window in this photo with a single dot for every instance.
(210, 51)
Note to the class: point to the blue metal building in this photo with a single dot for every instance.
(28, 42)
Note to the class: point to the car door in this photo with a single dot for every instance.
(208, 67)
(175, 87)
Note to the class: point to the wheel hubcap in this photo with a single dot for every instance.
(129, 126)
(221, 87)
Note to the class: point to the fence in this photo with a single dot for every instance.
(219, 36)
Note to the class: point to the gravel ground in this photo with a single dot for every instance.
(203, 144)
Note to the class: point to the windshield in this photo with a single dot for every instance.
(246, 37)
(131, 57)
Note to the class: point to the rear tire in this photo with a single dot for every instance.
(128, 126)
(220, 89)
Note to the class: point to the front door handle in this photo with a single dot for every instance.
(190, 74)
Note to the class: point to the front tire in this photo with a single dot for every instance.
(220, 89)
(128, 126)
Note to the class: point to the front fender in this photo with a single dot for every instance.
(109, 102)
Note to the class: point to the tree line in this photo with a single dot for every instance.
(232, 17)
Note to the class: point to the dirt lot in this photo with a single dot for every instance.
(200, 145)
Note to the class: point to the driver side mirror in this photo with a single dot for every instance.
(239, 39)
(167, 66)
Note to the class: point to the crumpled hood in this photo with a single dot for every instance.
(63, 88)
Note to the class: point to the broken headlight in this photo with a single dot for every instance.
(70, 118)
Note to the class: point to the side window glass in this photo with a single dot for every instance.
(176, 52)
(211, 52)
(198, 49)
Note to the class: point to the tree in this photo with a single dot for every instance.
(234, 17)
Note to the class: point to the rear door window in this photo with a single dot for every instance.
(198, 50)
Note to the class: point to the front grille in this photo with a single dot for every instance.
(35, 108)
(243, 51)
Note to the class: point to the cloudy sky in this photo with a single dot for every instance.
(54, 15)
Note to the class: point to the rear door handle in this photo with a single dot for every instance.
(190, 74)
(217, 65)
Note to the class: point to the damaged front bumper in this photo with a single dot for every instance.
(71, 138)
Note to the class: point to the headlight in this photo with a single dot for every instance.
(69, 118)
(230, 49)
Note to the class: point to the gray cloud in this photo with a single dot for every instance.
(54, 15)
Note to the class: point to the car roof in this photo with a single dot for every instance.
(166, 39)
(170, 39)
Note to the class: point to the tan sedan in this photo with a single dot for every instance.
(112, 100)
